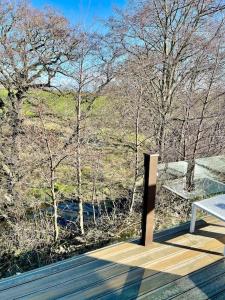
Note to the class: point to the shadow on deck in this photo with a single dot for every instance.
(177, 265)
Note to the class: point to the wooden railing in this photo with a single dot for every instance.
(150, 179)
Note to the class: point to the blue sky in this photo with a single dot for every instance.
(84, 12)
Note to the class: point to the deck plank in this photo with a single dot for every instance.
(63, 265)
(172, 266)
(151, 283)
(219, 296)
(82, 259)
(187, 282)
(113, 254)
(204, 291)
(116, 265)
(168, 268)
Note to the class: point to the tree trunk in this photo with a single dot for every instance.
(14, 157)
(161, 140)
(93, 200)
(79, 173)
(136, 172)
(55, 206)
(190, 175)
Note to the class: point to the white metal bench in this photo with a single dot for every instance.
(214, 206)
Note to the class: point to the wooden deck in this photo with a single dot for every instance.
(178, 265)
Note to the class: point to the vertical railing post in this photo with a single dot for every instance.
(150, 179)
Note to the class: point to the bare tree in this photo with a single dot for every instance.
(131, 84)
(54, 160)
(168, 33)
(204, 95)
(33, 45)
(92, 68)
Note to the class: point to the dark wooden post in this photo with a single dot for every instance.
(150, 178)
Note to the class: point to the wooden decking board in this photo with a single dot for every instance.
(130, 271)
(137, 254)
(182, 229)
(27, 277)
(133, 276)
(188, 262)
(187, 282)
(59, 266)
(219, 296)
(67, 265)
(36, 274)
(204, 291)
(145, 285)
(118, 269)
(45, 271)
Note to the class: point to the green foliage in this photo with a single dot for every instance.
(59, 104)
(41, 194)
(65, 189)
(87, 172)
(99, 103)
(3, 93)
(28, 110)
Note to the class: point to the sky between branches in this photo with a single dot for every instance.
(85, 12)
